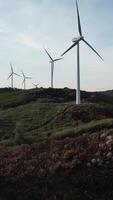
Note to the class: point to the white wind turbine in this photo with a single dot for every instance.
(24, 80)
(52, 61)
(76, 41)
(12, 75)
(36, 85)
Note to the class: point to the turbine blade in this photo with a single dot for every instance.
(23, 73)
(9, 76)
(11, 67)
(48, 54)
(35, 84)
(58, 59)
(78, 16)
(16, 74)
(93, 49)
(70, 48)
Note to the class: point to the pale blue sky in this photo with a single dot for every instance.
(26, 26)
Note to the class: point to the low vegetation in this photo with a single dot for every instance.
(51, 148)
(34, 115)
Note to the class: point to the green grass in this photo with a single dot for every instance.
(39, 114)
(84, 128)
(31, 117)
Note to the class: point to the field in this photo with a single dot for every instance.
(50, 148)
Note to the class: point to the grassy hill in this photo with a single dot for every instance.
(38, 114)
(51, 148)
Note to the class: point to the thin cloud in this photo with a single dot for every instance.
(28, 40)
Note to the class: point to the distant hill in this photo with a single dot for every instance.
(15, 97)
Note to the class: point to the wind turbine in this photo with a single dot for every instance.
(12, 75)
(36, 85)
(76, 41)
(52, 61)
(24, 80)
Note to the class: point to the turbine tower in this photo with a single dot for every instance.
(52, 61)
(76, 41)
(12, 75)
(24, 80)
(36, 85)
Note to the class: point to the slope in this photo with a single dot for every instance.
(32, 115)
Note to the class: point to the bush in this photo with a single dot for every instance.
(19, 135)
(7, 143)
(85, 128)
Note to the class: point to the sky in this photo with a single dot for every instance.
(27, 26)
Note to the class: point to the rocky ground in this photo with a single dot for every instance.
(73, 168)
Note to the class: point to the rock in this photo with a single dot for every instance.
(97, 153)
(98, 160)
(109, 137)
(101, 145)
(103, 135)
(107, 163)
(109, 155)
(88, 164)
(109, 142)
(100, 163)
(85, 192)
(93, 161)
(84, 134)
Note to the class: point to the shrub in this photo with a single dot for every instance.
(85, 128)
(7, 143)
(19, 135)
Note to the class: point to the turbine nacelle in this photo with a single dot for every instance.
(51, 61)
(74, 39)
(57, 59)
(77, 39)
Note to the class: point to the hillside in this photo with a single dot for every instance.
(37, 114)
(80, 167)
(50, 148)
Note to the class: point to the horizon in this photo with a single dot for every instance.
(25, 30)
(32, 88)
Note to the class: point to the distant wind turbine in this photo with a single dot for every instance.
(52, 61)
(12, 75)
(76, 42)
(36, 85)
(24, 80)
